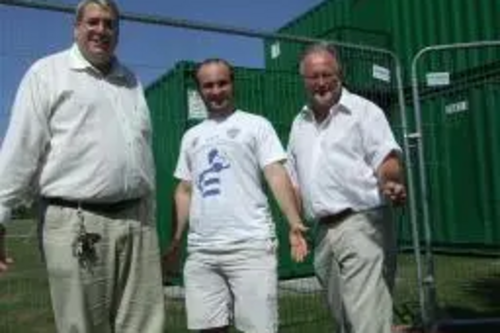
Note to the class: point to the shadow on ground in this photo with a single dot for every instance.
(483, 318)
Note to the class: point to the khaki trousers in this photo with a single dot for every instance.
(355, 261)
(121, 290)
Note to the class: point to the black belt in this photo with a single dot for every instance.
(102, 208)
(337, 217)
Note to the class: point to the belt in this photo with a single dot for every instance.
(337, 217)
(102, 208)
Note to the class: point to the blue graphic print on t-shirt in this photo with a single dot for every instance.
(209, 180)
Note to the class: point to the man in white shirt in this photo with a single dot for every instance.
(80, 132)
(231, 268)
(344, 161)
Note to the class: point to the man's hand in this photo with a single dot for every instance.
(4, 260)
(297, 242)
(395, 191)
(391, 180)
(171, 260)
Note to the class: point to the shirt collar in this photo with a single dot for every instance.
(345, 104)
(78, 62)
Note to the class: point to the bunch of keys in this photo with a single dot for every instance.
(84, 244)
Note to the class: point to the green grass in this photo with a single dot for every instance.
(24, 296)
(304, 313)
(468, 287)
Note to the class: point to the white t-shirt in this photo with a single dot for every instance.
(334, 163)
(223, 159)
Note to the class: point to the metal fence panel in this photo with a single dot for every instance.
(276, 94)
(456, 95)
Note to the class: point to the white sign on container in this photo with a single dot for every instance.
(275, 50)
(381, 73)
(456, 107)
(196, 107)
(438, 79)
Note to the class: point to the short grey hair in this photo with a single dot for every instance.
(110, 4)
(322, 47)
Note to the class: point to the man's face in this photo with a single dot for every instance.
(321, 75)
(96, 34)
(216, 87)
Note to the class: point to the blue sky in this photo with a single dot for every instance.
(28, 34)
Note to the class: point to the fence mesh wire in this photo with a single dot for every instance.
(457, 99)
(270, 86)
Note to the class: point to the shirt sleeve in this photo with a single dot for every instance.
(142, 105)
(378, 138)
(269, 149)
(183, 168)
(24, 144)
(291, 162)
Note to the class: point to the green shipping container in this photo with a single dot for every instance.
(416, 24)
(358, 22)
(175, 106)
(461, 132)
(167, 101)
(403, 26)
(282, 55)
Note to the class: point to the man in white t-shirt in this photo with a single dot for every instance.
(345, 163)
(231, 268)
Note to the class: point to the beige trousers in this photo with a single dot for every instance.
(355, 261)
(121, 290)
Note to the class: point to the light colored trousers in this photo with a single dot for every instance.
(234, 284)
(355, 261)
(121, 292)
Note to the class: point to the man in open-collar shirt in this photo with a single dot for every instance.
(79, 138)
(85, 134)
(344, 161)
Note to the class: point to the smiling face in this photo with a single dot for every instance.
(321, 73)
(96, 34)
(216, 87)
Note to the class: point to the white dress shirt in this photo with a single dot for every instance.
(334, 162)
(76, 134)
